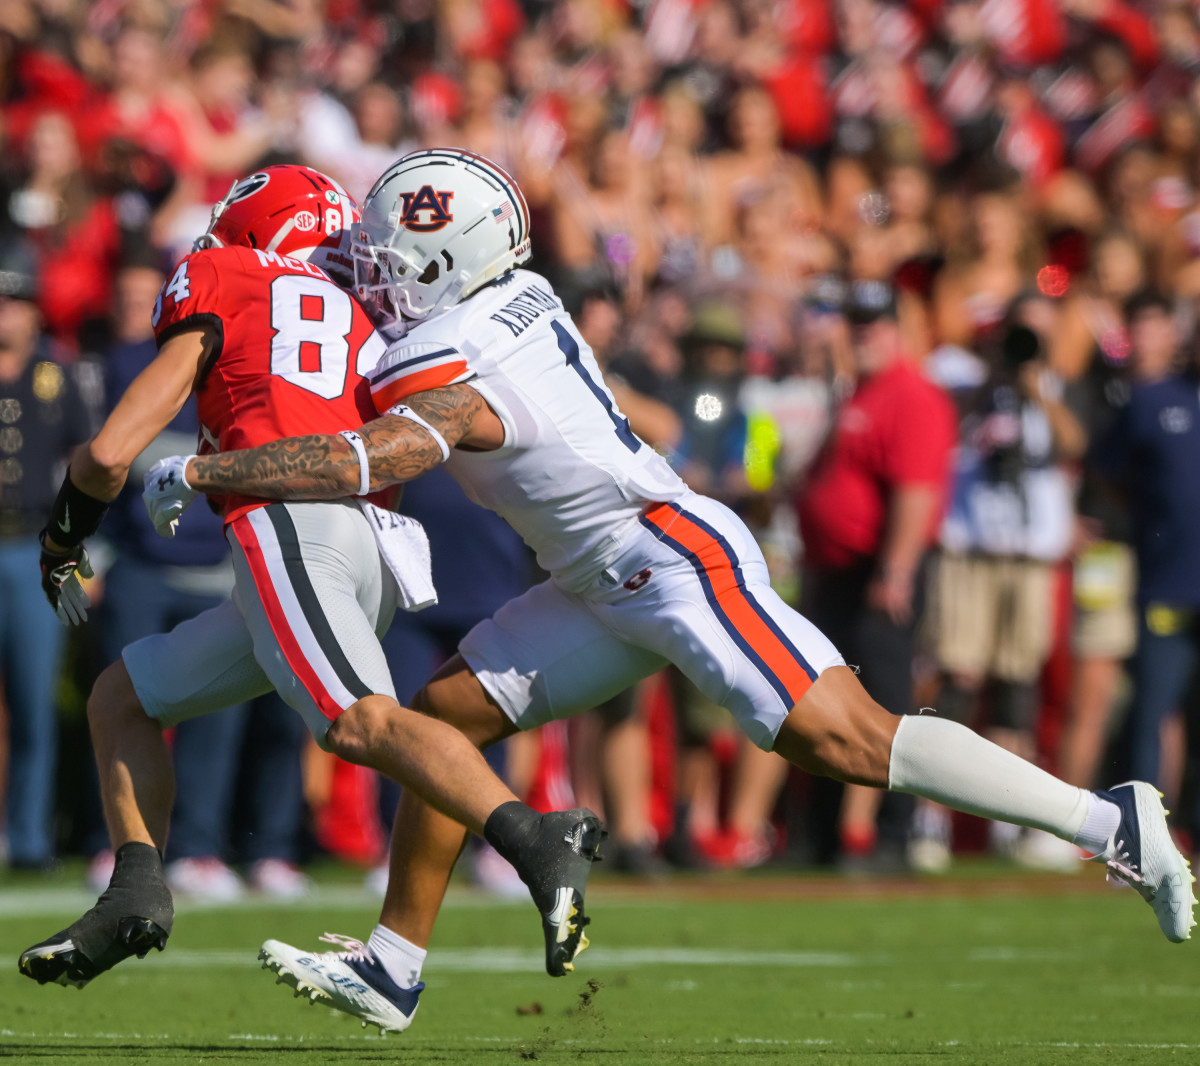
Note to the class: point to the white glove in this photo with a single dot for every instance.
(167, 494)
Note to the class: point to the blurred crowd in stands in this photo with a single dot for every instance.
(912, 286)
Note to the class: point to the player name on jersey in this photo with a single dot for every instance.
(286, 262)
(521, 311)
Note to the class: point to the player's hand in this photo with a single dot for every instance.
(891, 593)
(61, 571)
(167, 494)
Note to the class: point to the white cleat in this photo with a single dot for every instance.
(349, 980)
(1142, 854)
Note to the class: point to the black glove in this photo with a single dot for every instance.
(61, 571)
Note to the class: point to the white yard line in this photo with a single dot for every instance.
(49, 902)
(514, 960)
(25, 902)
(411, 1039)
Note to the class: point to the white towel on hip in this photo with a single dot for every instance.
(405, 548)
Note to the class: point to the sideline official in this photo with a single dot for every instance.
(42, 417)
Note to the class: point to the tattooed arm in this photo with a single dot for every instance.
(325, 467)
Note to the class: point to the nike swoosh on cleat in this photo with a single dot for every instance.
(51, 950)
(561, 910)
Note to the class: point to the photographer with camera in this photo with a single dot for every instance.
(1009, 523)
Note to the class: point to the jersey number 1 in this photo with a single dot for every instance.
(569, 346)
(312, 320)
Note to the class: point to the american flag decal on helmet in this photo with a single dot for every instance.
(505, 210)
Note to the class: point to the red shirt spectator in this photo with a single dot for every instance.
(1031, 142)
(897, 430)
(1025, 33)
(798, 88)
(139, 109)
(73, 229)
(43, 82)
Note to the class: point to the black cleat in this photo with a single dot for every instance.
(134, 915)
(63, 960)
(555, 865)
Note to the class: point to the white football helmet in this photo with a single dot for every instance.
(439, 225)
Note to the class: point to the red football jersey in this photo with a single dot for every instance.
(294, 354)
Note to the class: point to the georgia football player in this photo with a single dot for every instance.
(643, 572)
(252, 322)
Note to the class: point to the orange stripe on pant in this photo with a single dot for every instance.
(732, 599)
(247, 539)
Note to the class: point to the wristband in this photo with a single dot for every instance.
(75, 515)
(364, 466)
(401, 411)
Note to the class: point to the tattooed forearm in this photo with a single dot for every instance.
(326, 467)
(294, 468)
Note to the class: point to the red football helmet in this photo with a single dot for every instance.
(291, 210)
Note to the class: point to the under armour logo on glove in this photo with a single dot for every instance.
(167, 494)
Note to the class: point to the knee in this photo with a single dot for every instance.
(362, 728)
(113, 702)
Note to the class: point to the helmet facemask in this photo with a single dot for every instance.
(377, 284)
(208, 239)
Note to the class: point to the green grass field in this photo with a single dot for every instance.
(988, 967)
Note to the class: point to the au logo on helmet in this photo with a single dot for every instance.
(415, 203)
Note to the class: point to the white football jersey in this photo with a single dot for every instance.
(571, 476)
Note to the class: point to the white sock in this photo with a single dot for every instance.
(1103, 817)
(401, 958)
(944, 761)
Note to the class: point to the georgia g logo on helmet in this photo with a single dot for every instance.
(436, 203)
(247, 187)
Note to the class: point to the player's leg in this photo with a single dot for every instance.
(551, 852)
(137, 781)
(543, 655)
(791, 692)
(425, 843)
(836, 729)
(315, 593)
(202, 665)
